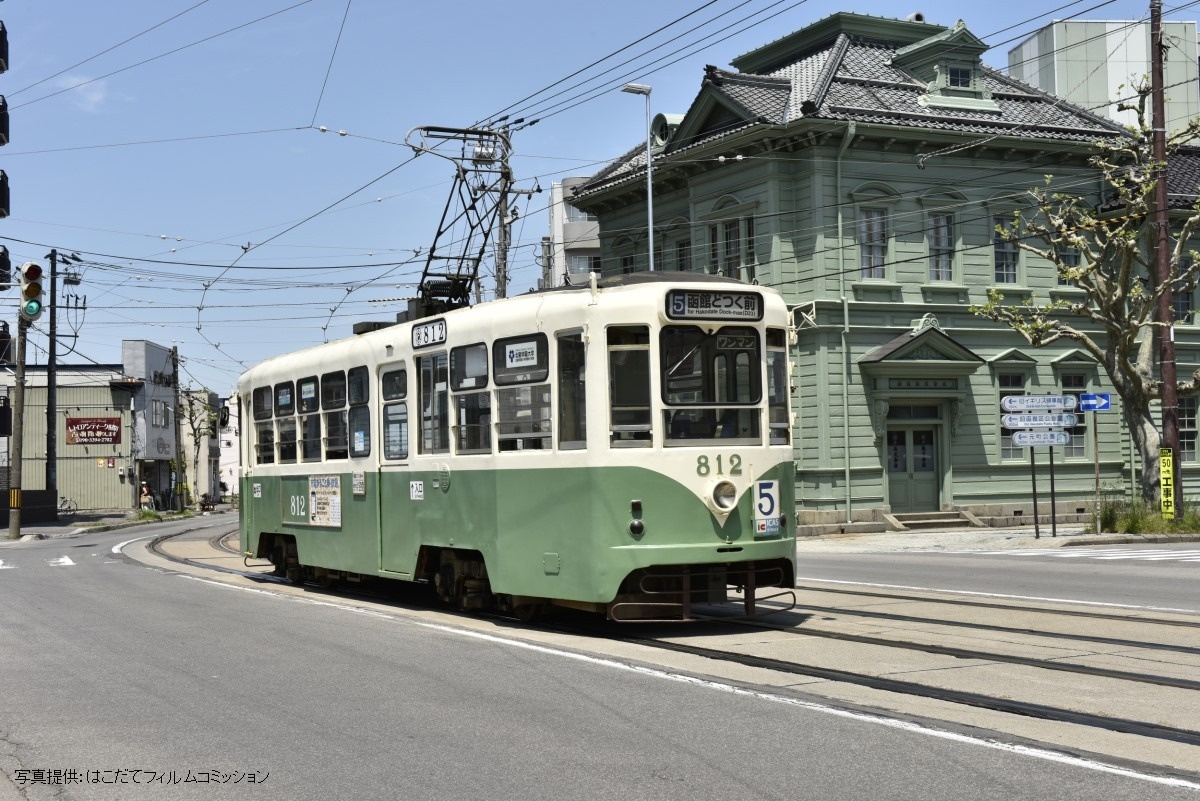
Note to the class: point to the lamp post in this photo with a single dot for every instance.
(642, 89)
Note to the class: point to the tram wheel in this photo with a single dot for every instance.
(527, 613)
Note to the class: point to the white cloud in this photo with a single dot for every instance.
(87, 94)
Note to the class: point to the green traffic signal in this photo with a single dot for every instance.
(31, 291)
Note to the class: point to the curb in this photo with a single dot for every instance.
(1135, 539)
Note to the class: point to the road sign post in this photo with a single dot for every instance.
(1096, 402)
(1040, 412)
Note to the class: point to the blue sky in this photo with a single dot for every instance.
(160, 138)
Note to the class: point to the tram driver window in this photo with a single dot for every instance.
(711, 383)
(629, 385)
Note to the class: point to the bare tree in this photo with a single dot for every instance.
(199, 418)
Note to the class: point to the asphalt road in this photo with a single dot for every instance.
(134, 679)
(1152, 575)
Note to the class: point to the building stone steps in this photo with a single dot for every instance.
(928, 521)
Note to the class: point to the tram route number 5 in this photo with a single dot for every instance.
(767, 522)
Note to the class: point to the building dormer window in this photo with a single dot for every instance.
(948, 64)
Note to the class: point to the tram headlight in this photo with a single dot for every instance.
(723, 495)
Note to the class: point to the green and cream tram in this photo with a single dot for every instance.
(623, 447)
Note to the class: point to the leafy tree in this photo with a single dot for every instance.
(1108, 253)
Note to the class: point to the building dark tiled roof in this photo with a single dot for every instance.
(843, 70)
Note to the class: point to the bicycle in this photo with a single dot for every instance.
(67, 507)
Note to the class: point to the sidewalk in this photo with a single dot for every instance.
(975, 539)
(83, 523)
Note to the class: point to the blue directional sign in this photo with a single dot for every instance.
(1098, 402)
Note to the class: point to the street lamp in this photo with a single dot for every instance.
(642, 89)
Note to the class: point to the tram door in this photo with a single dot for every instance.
(912, 469)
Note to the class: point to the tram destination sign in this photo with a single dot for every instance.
(1056, 420)
(1026, 439)
(1039, 403)
(694, 304)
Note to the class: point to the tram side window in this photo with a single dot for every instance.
(572, 391)
(308, 399)
(434, 393)
(285, 421)
(629, 385)
(359, 393)
(778, 403)
(472, 403)
(521, 366)
(394, 387)
(333, 406)
(264, 425)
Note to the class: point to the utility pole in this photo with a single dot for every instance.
(1162, 252)
(52, 371)
(505, 229)
(52, 390)
(180, 472)
(17, 436)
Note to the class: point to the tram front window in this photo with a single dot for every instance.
(711, 383)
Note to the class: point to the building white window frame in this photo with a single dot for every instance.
(1006, 255)
(943, 235)
(1188, 430)
(880, 199)
(730, 234)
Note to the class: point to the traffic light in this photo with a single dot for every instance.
(31, 291)
(5, 269)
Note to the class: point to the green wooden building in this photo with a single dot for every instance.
(861, 166)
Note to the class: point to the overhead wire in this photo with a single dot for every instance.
(329, 67)
(107, 50)
(180, 49)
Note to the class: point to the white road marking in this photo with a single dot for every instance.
(902, 725)
(62, 561)
(6, 567)
(117, 548)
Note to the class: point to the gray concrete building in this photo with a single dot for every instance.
(1093, 64)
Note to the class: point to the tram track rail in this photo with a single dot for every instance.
(1024, 708)
(991, 656)
(1008, 607)
(1090, 638)
(1029, 709)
